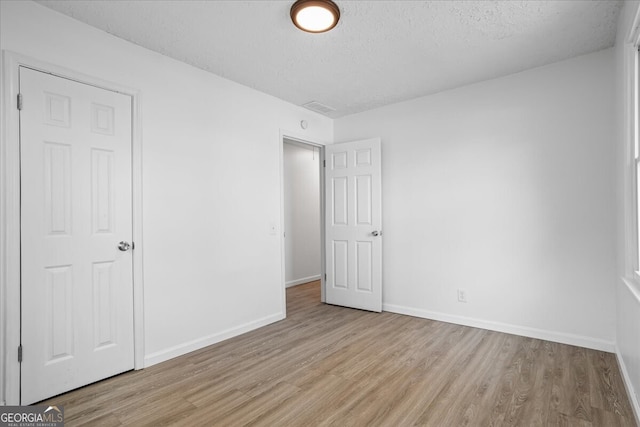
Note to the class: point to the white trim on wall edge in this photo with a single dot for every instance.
(197, 344)
(632, 287)
(634, 397)
(559, 337)
(628, 385)
(302, 281)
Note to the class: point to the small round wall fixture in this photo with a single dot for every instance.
(315, 16)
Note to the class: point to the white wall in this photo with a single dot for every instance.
(627, 289)
(504, 189)
(211, 179)
(301, 213)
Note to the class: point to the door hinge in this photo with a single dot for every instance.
(20, 353)
(325, 277)
(324, 163)
(19, 101)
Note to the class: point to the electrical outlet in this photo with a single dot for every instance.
(462, 295)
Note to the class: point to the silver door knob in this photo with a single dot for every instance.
(124, 246)
(375, 233)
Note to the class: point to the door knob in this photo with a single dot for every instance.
(376, 233)
(124, 246)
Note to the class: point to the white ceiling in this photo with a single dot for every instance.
(381, 52)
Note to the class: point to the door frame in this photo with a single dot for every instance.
(302, 139)
(10, 300)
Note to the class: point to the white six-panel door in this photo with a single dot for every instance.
(77, 286)
(353, 224)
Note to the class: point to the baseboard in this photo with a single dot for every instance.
(560, 337)
(297, 282)
(179, 350)
(626, 379)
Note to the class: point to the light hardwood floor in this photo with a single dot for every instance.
(327, 365)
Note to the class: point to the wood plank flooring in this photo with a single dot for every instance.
(327, 365)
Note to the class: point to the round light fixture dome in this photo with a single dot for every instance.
(315, 16)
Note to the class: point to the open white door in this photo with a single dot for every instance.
(77, 279)
(353, 224)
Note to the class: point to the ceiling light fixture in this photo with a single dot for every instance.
(315, 16)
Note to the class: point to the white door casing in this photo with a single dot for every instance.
(76, 205)
(353, 187)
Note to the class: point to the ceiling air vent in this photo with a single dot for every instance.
(318, 107)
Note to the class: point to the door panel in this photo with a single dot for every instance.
(77, 287)
(353, 213)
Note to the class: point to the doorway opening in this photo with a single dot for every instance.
(303, 227)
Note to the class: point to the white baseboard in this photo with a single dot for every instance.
(179, 350)
(301, 281)
(560, 337)
(626, 379)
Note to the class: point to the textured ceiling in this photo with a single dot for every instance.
(381, 52)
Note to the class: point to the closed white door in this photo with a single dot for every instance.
(77, 285)
(353, 224)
